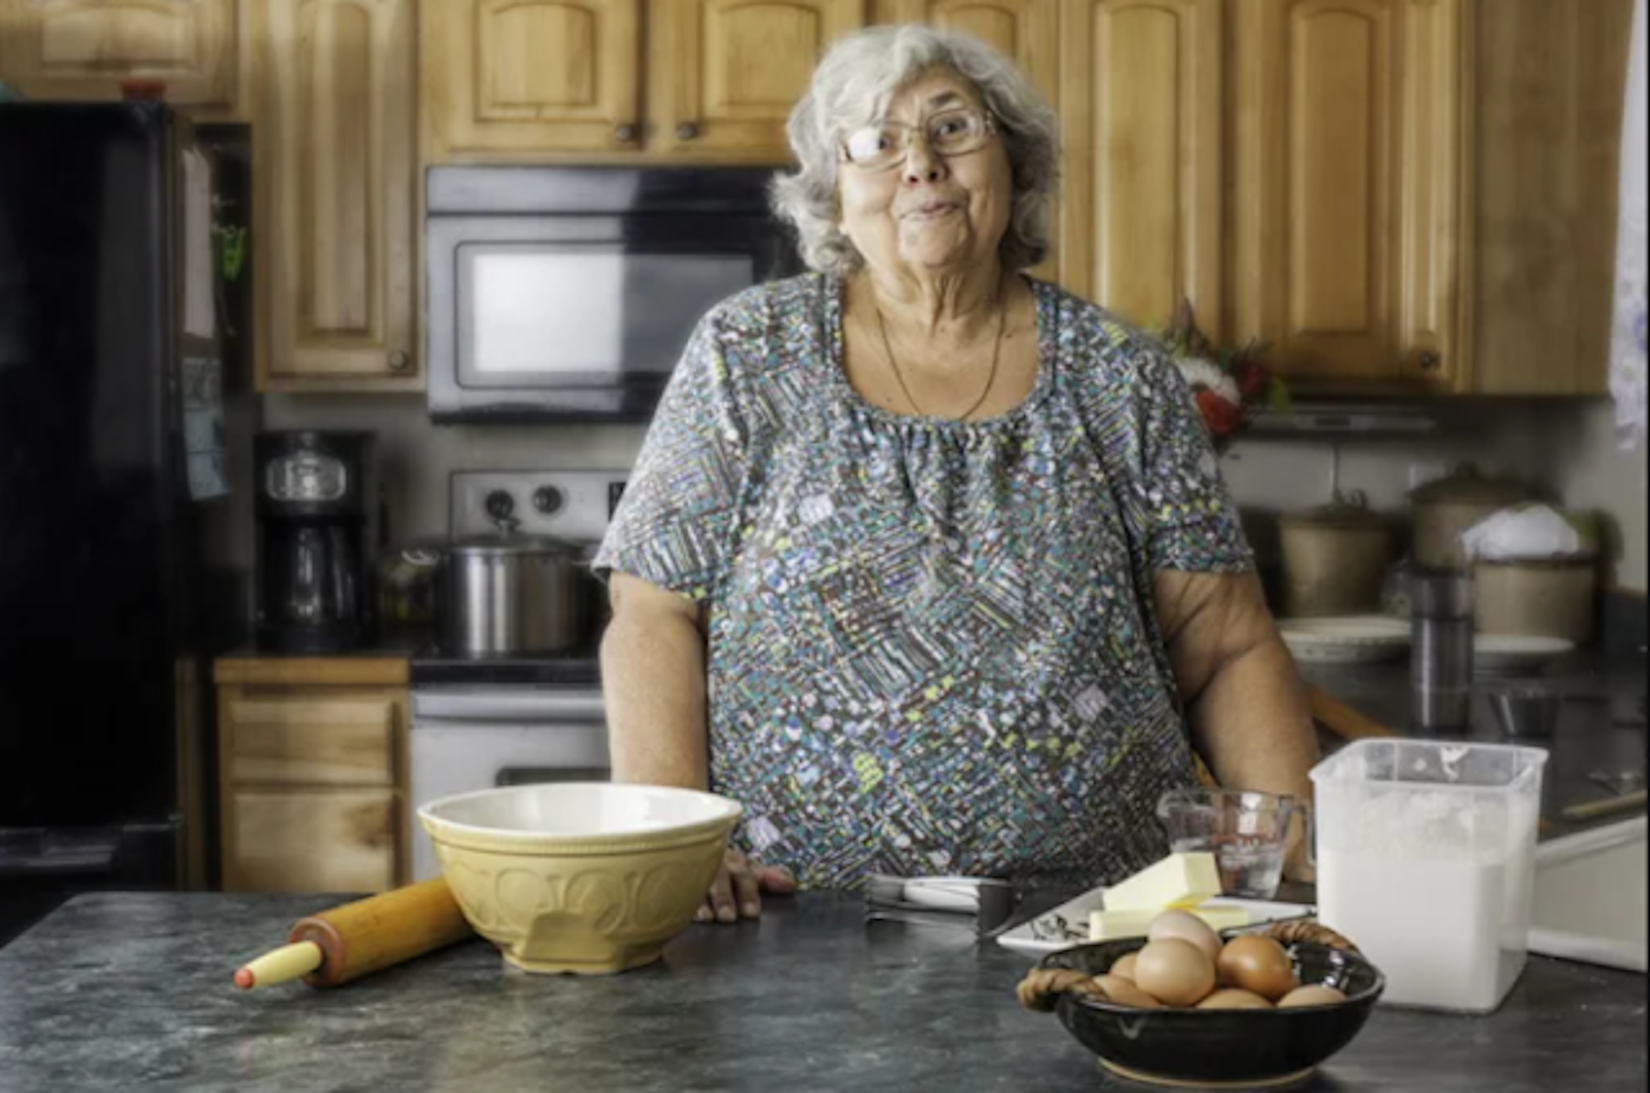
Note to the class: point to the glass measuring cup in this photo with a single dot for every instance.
(1248, 833)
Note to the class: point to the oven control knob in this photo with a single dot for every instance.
(547, 500)
(500, 505)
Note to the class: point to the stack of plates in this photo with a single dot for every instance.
(1371, 639)
(1350, 639)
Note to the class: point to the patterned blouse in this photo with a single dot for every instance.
(931, 647)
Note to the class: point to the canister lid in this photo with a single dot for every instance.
(1348, 510)
(1468, 485)
(497, 544)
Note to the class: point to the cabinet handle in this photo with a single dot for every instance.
(399, 360)
(624, 134)
(687, 131)
(1429, 360)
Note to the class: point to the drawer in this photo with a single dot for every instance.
(312, 739)
(321, 841)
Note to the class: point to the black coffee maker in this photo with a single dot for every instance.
(317, 536)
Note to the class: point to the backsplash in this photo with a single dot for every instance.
(1268, 476)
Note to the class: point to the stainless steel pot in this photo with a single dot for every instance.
(506, 594)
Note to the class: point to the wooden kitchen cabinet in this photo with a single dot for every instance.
(335, 195)
(504, 77)
(1347, 212)
(1141, 110)
(312, 773)
(532, 80)
(729, 71)
(83, 49)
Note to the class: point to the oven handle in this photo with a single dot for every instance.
(534, 704)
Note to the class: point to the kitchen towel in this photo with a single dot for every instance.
(1627, 335)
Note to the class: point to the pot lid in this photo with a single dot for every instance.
(495, 543)
(1348, 510)
(1468, 485)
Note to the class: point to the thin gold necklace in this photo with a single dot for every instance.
(990, 380)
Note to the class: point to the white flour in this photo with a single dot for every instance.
(1434, 888)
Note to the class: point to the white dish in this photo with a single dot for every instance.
(1516, 654)
(1351, 639)
(1038, 937)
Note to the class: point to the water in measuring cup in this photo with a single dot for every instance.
(1250, 866)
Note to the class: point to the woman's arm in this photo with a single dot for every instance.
(653, 686)
(1250, 718)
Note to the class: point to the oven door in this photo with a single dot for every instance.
(578, 317)
(470, 738)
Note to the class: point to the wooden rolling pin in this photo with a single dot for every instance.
(360, 938)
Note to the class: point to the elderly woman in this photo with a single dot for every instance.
(926, 562)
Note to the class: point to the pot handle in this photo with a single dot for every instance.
(422, 557)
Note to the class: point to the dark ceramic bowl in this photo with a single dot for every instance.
(1248, 1049)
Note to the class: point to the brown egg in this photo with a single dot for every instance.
(1125, 993)
(1187, 927)
(1313, 994)
(1174, 972)
(1231, 998)
(1123, 967)
(1257, 964)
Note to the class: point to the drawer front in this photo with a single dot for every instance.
(322, 841)
(309, 740)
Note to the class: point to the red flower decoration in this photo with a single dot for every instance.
(1223, 418)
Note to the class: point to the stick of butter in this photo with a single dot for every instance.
(1111, 925)
(1179, 880)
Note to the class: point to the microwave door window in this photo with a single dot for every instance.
(541, 311)
(532, 315)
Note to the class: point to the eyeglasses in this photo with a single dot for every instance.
(948, 133)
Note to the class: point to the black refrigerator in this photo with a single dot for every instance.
(111, 334)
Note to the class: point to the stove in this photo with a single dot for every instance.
(482, 722)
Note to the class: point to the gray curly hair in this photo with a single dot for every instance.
(853, 85)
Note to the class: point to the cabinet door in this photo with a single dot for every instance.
(335, 179)
(729, 71)
(82, 49)
(1347, 214)
(313, 739)
(1141, 106)
(311, 841)
(525, 76)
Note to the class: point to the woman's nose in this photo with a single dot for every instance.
(921, 164)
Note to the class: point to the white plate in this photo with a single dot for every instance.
(1351, 639)
(1516, 654)
(1025, 938)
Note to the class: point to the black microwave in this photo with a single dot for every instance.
(569, 293)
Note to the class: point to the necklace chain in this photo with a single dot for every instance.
(990, 380)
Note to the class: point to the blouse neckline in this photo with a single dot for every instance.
(1045, 309)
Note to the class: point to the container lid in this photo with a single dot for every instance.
(500, 544)
(1468, 485)
(1348, 510)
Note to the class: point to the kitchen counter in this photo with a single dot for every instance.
(1601, 727)
(119, 990)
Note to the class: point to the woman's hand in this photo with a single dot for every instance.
(737, 891)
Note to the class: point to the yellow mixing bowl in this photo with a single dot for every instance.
(584, 877)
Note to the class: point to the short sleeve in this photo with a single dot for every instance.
(675, 524)
(1178, 503)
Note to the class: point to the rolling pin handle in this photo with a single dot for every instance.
(279, 965)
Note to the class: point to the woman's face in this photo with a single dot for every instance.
(929, 213)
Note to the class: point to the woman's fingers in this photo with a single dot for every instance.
(737, 890)
(775, 878)
(721, 890)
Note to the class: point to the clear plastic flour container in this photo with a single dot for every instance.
(1426, 854)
